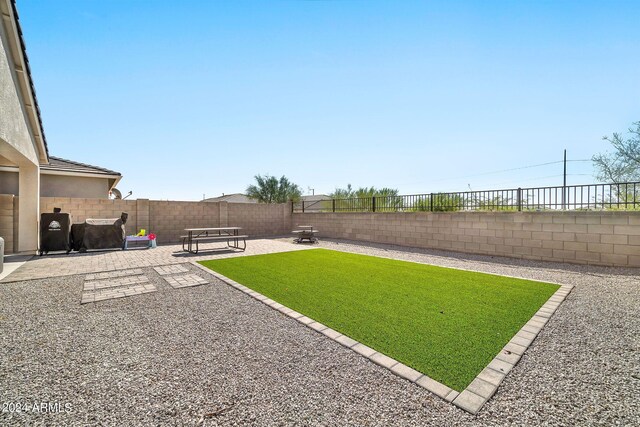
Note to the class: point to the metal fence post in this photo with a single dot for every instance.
(589, 196)
(519, 198)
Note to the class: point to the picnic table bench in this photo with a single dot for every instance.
(211, 234)
(305, 232)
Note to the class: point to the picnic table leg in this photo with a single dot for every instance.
(237, 244)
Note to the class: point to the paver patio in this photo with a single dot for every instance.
(101, 261)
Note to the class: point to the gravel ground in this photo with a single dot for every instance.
(210, 355)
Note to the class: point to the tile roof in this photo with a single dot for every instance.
(59, 164)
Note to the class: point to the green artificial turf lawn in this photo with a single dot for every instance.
(446, 323)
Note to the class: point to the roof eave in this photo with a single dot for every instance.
(115, 183)
(25, 80)
(70, 172)
(67, 172)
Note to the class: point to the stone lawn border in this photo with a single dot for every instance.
(478, 392)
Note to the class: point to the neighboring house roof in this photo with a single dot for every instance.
(232, 198)
(24, 73)
(315, 198)
(315, 202)
(60, 164)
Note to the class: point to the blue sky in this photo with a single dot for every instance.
(196, 97)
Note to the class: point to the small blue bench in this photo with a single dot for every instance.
(151, 243)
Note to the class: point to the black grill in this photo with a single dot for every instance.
(54, 232)
(99, 234)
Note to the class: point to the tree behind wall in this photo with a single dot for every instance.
(387, 199)
(349, 192)
(269, 189)
(623, 164)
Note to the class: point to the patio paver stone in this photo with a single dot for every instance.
(170, 269)
(185, 280)
(406, 372)
(95, 285)
(113, 274)
(107, 294)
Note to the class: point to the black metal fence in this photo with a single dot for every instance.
(621, 196)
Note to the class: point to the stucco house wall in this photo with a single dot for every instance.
(15, 134)
(60, 186)
(74, 186)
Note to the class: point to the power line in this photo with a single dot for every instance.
(522, 180)
(496, 184)
(500, 171)
(511, 169)
(503, 171)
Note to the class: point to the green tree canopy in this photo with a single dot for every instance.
(362, 192)
(343, 193)
(623, 164)
(269, 189)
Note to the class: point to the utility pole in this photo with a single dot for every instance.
(564, 182)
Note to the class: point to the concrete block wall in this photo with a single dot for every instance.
(81, 209)
(260, 219)
(168, 219)
(142, 217)
(598, 238)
